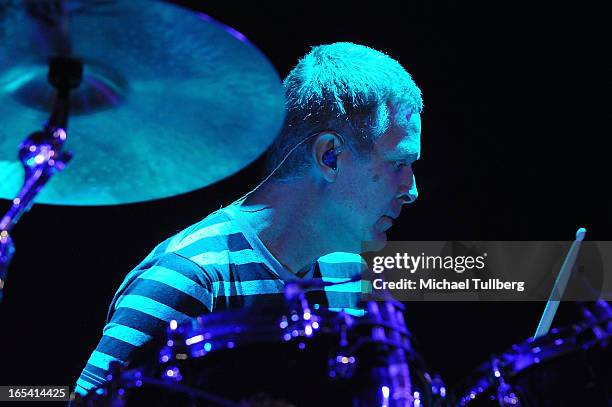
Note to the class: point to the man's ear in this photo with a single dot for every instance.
(325, 151)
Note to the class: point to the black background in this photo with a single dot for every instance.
(513, 148)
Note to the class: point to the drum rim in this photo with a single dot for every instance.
(486, 380)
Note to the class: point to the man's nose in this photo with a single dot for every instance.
(408, 193)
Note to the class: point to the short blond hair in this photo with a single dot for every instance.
(343, 87)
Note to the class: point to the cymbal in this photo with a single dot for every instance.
(171, 101)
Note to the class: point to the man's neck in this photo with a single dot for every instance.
(285, 219)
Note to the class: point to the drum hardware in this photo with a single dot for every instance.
(41, 154)
(505, 393)
(299, 321)
(567, 366)
(600, 311)
(114, 391)
(166, 91)
(156, 93)
(558, 367)
(344, 360)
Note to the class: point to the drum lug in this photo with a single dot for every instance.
(342, 367)
(506, 396)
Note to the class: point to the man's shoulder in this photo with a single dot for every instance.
(217, 232)
(217, 244)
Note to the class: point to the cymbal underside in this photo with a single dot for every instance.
(170, 101)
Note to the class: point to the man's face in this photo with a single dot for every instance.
(372, 190)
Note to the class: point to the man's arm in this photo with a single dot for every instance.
(173, 287)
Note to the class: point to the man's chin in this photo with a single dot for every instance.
(377, 242)
(373, 241)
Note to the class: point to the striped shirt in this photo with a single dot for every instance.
(215, 264)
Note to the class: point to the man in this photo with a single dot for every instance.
(341, 171)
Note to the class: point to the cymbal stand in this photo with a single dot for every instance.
(41, 154)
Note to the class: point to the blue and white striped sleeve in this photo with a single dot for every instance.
(172, 287)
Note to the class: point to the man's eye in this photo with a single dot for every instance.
(400, 164)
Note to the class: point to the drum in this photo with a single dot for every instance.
(571, 366)
(292, 355)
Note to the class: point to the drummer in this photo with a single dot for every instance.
(341, 172)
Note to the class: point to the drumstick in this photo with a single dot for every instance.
(559, 288)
